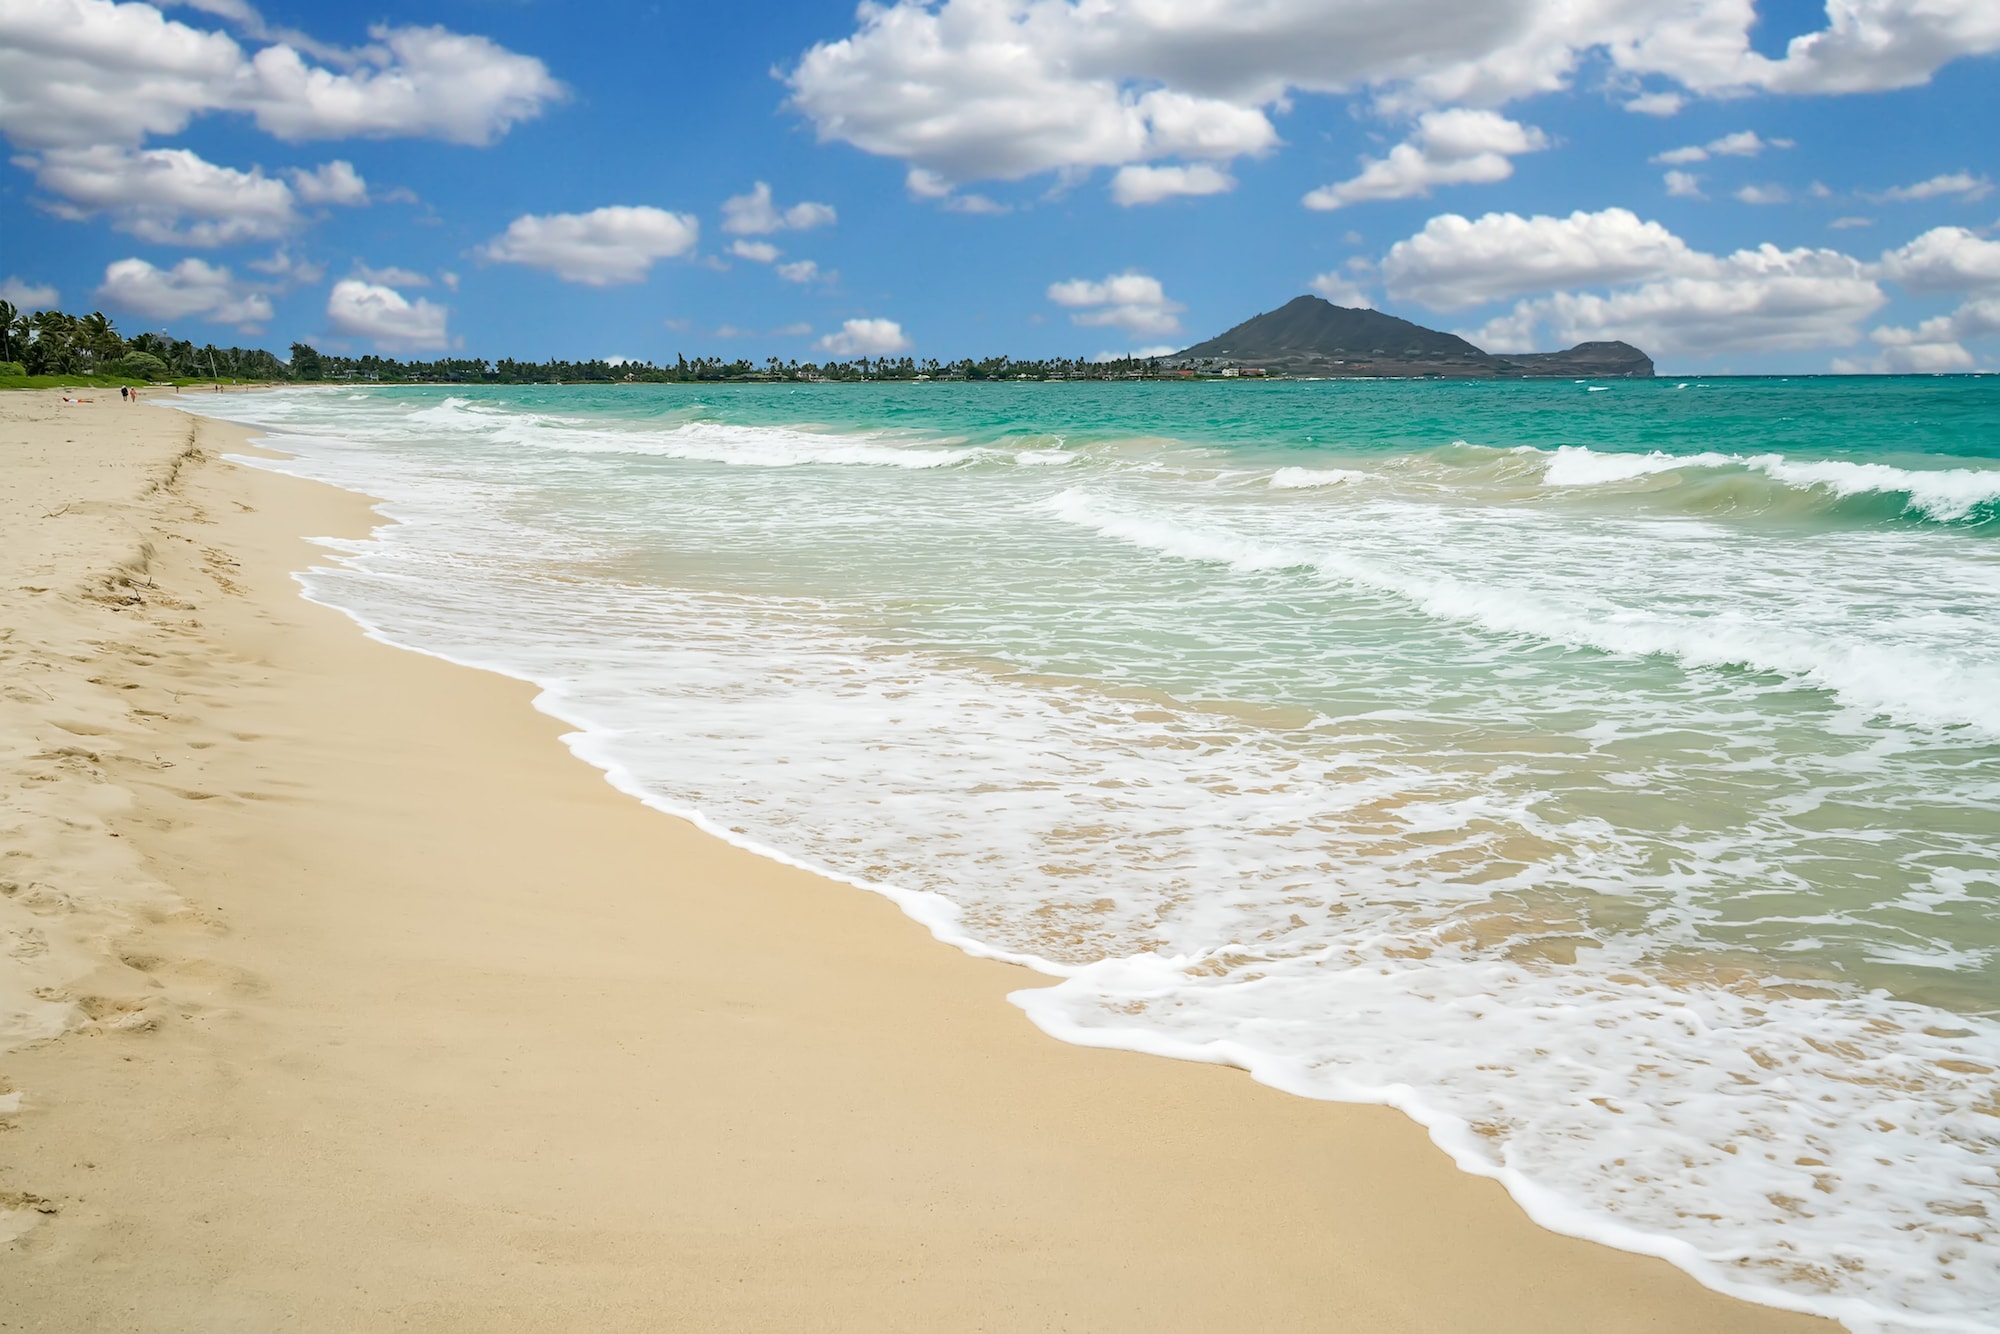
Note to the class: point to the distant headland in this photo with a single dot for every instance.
(1312, 336)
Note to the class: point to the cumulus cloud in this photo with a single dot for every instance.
(755, 214)
(384, 316)
(390, 276)
(1765, 299)
(1132, 301)
(286, 270)
(169, 196)
(1149, 185)
(1874, 45)
(1961, 183)
(602, 248)
(1003, 89)
(1934, 346)
(801, 271)
(1945, 259)
(1762, 194)
(1457, 147)
(757, 252)
(1684, 185)
(335, 182)
(28, 296)
(85, 72)
(1656, 104)
(1744, 143)
(1338, 288)
(190, 288)
(930, 187)
(1456, 262)
(866, 338)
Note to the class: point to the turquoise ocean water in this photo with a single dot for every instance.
(1607, 774)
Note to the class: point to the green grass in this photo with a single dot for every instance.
(103, 382)
(66, 382)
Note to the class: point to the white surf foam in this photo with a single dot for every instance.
(1944, 494)
(1934, 689)
(1298, 479)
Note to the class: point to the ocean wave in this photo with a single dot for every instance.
(1298, 479)
(1943, 494)
(695, 441)
(1908, 684)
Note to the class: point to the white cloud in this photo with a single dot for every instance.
(755, 214)
(601, 248)
(1945, 259)
(798, 330)
(1872, 45)
(1843, 224)
(335, 182)
(1744, 143)
(923, 184)
(801, 271)
(1132, 301)
(390, 277)
(1961, 183)
(287, 270)
(27, 295)
(1136, 354)
(976, 204)
(1149, 185)
(1336, 287)
(1656, 104)
(930, 187)
(84, 72)
(1456, 262)
(169, 196)
(866, 338)
(1664, 296)
(412, 82)
(1002, 89)
(385, 317)
(1934, 346)
(1457, 147)
(757, 252)
(1763, 194)
(1754, 300)
(1684, 185)
(189, 288)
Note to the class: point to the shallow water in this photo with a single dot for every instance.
(1609, 779)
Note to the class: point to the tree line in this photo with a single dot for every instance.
(50, 342)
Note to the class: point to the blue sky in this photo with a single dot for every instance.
(1732, 190)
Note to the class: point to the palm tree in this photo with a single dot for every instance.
(96, 335)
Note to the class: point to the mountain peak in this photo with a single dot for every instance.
(1309, 335)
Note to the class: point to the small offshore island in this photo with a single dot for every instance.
(1312, 337)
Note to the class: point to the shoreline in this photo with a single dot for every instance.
(406, 1023)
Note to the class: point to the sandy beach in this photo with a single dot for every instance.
(336, 994)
